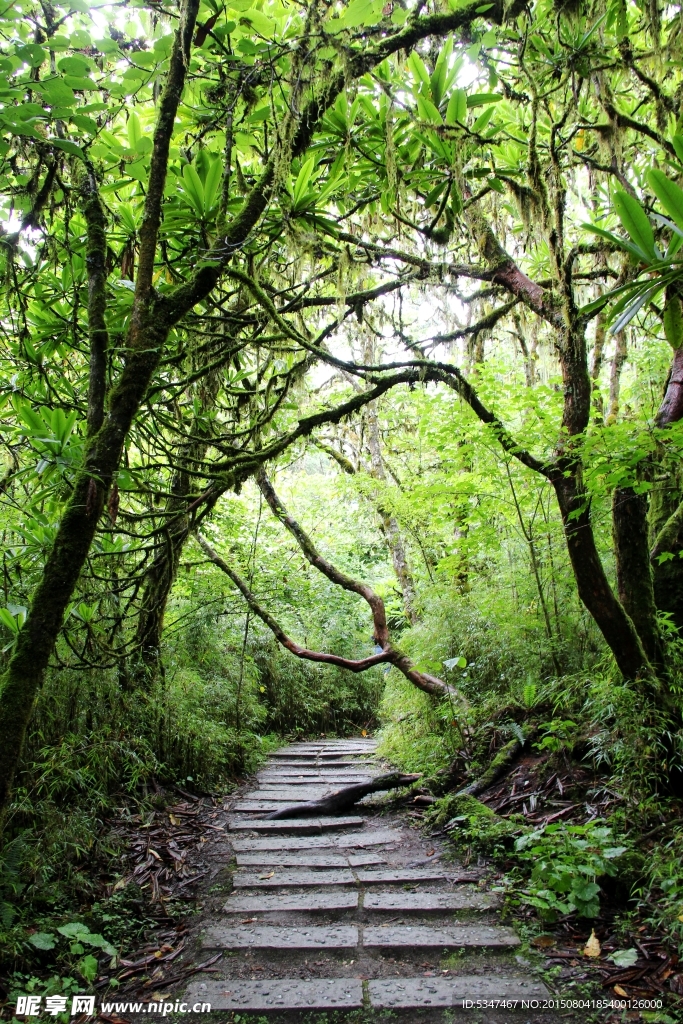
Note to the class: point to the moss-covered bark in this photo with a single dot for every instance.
(634, 575)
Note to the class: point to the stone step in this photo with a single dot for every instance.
(266, 902)
(324, 994)
(380, 837)
(300, 826)
(426, 937)
(313, 780)
(324, 771)
(467, 898)
(313, 751)
(255, 806)
(296, 793)
(292, 878)
(412, 993)
(316, 763)
(325, 755)
(267, 937)
(273, 858)
(400, 876)
(303, 877)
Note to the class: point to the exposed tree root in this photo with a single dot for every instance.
(342, 799)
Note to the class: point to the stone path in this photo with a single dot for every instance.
(351, 912)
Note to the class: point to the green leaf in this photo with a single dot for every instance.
(88, 967)
(263, 25)
(624, 957)
(456, 111)
(301, 183)
(8, 620)
(419, 71)
(134, 130)
(677, 143)
(427, 111)
(673, 322)
(483, 120)
(438, 78)
(68, 147)
(74, 66)
(194, 190)
(32, 54)
(73, 929)
(636, 224)
(42, 940)
(212, 183)
(668, 193)
(481, 98)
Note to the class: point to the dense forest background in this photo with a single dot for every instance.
(341, 387)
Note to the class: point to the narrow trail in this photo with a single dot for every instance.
(351, 912)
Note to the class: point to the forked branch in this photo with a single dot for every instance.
(388, 655)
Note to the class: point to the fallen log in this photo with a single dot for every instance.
(342, 799)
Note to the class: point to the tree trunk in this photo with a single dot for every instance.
(618, 360)
(594, 590)
(634, 574)
(150, 323)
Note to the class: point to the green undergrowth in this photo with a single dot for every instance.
(587, 726)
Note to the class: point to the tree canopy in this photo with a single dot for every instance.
(423, 256)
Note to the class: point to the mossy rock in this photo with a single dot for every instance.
(474, 824)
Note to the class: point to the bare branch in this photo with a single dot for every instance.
(430, 684)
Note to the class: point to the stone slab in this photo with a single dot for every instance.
(422, 902)
(292, 860)
(295, 751)
(262, 805)
(352, 840)
(303, 859)
(321, 772)
(267, 937)
(399, 875)
(291, 877)
(296, 794)
(409, 993)
(332, 994)
(455, 936)
(290, 754)
(312, 780)
(361, 860)
(266, 902)
(308, 762)
(298, 826)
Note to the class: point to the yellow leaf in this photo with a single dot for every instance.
(364, 732)
(173, 819)
(592, 947)
(267, 876)
(621, 992)
(680, 917)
